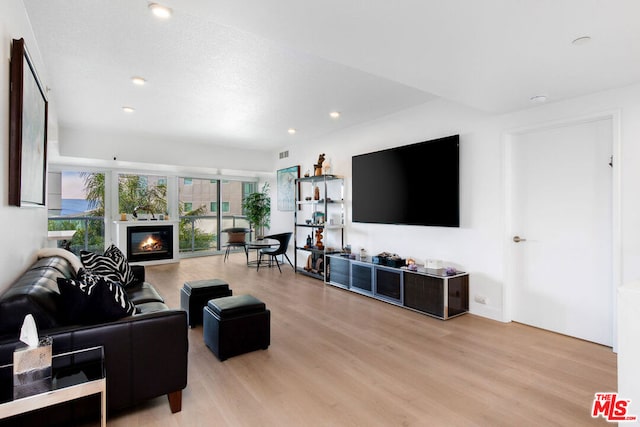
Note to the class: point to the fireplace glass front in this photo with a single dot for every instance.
(149, 243)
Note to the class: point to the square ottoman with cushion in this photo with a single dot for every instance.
(195, 294)
(235, 325)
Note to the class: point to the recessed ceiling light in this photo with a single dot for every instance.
(538, 99)
(160, 11)
(291, 131)
(138, 81)
(581, 40)
(128, 109)
(334, 114)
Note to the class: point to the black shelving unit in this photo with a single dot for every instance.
(318, 210)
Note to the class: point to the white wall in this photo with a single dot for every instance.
(23, 230)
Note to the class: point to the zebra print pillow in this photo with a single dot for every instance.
(128, 278)
(112, 265)
(93, 299)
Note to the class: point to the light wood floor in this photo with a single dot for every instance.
(342, 359)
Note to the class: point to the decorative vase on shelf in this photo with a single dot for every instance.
(318, 166)
(316, 193)
(319, 244)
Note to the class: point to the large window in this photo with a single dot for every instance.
(198, 221)
(233, 193)
(199, 200)
(76, 202)
(142, 195)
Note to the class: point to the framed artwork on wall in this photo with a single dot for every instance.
(287, 188)
(28, 109)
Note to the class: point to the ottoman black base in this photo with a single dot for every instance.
(195, 294)
(235, 325)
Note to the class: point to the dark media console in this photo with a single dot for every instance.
(427, 291)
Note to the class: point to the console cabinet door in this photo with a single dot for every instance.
(424, 293)
(362, 277)
(338, 271)
(458, 297)
(388, 283)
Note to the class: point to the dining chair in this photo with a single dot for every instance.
(283, 244)
(237, 238)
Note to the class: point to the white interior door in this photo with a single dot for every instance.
(562, 206)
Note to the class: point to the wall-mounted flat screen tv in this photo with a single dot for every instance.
(416, 184)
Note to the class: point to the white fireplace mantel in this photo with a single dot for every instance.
(121, 238)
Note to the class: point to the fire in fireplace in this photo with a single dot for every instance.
(149, 243)
(153, 243)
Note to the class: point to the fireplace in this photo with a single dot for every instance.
(133, 239)
(149, 243)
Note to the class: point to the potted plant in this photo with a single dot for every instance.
(257, 208)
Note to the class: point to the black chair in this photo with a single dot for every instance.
(283, 243)
(237, 238)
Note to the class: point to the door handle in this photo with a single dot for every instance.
(518, 239)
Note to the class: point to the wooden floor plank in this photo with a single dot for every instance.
(341, 359)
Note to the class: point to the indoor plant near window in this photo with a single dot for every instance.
(257, 208)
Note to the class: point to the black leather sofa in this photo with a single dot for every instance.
(145, 353)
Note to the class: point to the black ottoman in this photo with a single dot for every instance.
(194, 296)
(235, 325)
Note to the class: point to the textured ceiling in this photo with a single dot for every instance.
(241, 72)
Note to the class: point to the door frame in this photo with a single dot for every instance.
(508, 140)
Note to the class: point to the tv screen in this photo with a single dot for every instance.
(415, 184)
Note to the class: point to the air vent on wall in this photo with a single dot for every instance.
(284, 154)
